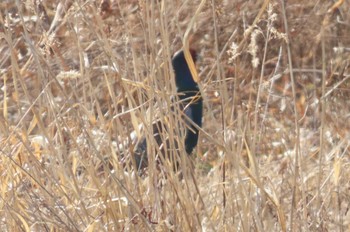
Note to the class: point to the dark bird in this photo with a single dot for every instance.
(191, 104)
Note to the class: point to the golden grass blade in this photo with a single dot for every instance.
(24, 222)
(186, 45)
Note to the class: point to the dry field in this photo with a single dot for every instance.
(78, 77)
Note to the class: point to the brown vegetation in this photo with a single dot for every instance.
(77, 77)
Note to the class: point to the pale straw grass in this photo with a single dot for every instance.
(273, 153)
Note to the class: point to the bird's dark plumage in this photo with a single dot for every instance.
(189, 92)
(191, 103)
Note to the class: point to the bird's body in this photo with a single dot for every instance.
(191, 105)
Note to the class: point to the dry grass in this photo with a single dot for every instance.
(274, 149)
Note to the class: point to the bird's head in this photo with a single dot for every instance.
(183, 77)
